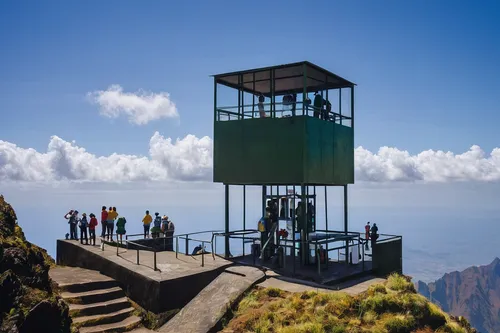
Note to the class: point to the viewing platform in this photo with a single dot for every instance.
(177, 279)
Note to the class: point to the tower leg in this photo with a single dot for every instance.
(346, 227)
(226, 224)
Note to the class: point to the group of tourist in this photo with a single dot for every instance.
(161, 224)
(87, 227)
(109, 219)
(371, 233)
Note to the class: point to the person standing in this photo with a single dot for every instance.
(104, 221)
(83, 229)
(92, 225)
(120, 228)
(155, 231)
(112, 215)
(146, 221)
(67, 216)
(367, 235)
(169, 232)
(374, 234)
(73, 221)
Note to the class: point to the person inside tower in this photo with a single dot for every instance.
(325, 113)
(262, 111)
(318, 104)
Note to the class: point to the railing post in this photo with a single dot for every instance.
(155, 259)
(318, 259)
(137, 256)
(202, 254)
(187, 244)
(116, 248)
(176, 246)
(253, 250)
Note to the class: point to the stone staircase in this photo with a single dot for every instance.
(96, 303)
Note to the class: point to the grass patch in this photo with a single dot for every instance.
(398, 282)
(392, 307)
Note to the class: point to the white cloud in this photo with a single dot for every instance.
(140, 107)
(190, 159)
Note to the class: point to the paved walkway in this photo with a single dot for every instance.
(204, 312)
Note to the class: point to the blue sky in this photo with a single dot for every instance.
(427, 71)
(428, 77)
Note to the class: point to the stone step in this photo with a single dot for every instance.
(102, 319)
(88, 286)
(75, 279)
(78, 310)
(93, 296)
(123, 326)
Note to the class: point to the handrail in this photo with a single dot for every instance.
(147, 247)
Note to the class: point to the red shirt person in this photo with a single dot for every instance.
(92, 225)
(104, 218)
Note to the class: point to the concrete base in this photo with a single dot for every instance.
(178, 281)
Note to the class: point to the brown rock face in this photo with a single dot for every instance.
(27, 301)
(473, 293)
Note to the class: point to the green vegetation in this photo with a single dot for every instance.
(393, 307)
(28, 301)
(152, 320)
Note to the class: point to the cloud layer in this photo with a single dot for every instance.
(140, 107)
(190, 159)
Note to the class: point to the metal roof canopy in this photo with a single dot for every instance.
(288, 78)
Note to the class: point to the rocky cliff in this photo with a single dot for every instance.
(473, 293)
(28, 301)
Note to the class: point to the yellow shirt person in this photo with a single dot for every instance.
(146, 222)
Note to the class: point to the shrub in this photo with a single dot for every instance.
(400, 324)
(397, 282)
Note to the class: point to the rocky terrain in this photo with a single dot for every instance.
(473, 293)
(28, 301)
(392, 307)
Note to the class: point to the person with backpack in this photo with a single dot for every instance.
(155, 231)
(92, 224)
(83, 229)
(374, 234)
(169, 232)
(73, 221)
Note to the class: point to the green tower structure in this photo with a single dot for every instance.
(287, 128)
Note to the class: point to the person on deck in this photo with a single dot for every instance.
(374, 234)
(112, 215)
(169, 232)
(104, 221)
(120, 228)
(73, 221)
(83, 229)
(146, 221)
(67, 216)
(367, 234)
(92, 224)
(155, 231)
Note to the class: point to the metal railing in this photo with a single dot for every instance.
(249, 111)
(186, 237)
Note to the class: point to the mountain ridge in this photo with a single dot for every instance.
(473, 293)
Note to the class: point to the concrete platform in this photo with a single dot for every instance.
(334, 273)
(176, 283)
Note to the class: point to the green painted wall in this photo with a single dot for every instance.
(283, 151)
